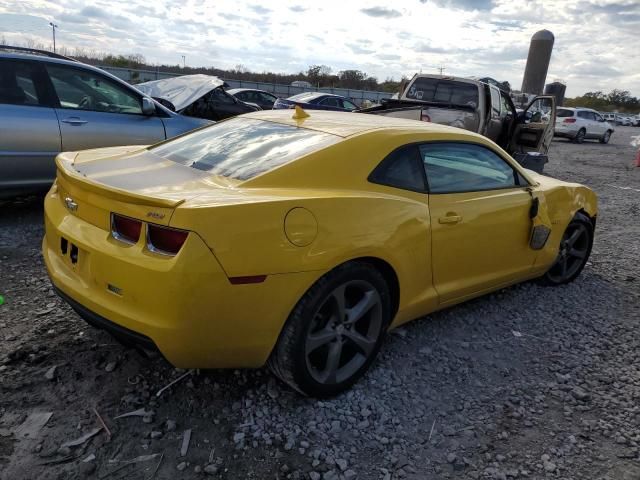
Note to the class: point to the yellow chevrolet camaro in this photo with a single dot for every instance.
(297, 240)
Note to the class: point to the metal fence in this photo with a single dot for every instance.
(134, 76)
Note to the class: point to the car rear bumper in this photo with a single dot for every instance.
(122, 334)
(184, 305)
(564, 131)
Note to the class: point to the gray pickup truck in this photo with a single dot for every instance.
(476, 106)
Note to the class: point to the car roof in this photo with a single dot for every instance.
(307, 95)
(233, 91)
(61, 61)
(345, 124)
(76, 64)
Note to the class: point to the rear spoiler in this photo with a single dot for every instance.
(64, 165)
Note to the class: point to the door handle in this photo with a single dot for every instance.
(74, 121)
(450, 219)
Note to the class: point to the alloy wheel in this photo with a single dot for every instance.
(574, 250)
(344, 332)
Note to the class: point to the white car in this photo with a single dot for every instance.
(579, 124)
(636, 120)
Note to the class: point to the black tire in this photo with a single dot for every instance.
(580, 136)
(606, 137)
(573, 253)
(303, 342)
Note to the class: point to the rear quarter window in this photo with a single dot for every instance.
(243, 148)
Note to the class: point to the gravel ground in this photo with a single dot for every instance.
(529, 382)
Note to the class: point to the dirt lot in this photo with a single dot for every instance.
(455, 395)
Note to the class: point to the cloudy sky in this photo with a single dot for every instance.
(596, 46)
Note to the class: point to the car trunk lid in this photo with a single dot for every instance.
(129, 181)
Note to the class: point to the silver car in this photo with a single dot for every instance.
(49, 104)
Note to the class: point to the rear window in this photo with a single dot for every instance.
(443, 91)
(563, 112)
(243, 148)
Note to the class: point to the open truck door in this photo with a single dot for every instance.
(534, 128)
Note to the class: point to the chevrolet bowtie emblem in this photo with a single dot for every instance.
(71, 205)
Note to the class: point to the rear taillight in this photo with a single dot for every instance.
(569, 120)
(163, 240)
(125, 229)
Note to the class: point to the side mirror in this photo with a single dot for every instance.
(148, 107)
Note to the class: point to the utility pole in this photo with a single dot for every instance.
(184, 62)
(441, 69)
(53, 29)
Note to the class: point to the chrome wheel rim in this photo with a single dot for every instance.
(606, 136)
(572, 255)
(580, 136)
(344, 332)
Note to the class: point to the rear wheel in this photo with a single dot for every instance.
(334, 332)
(606, 137)
(580, 136)
(575, 248)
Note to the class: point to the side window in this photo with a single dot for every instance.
(330, 102)
(218, 95)
(583, 114)
(241, 96)
(84, 90)
(495, 102)
(348, 105)
(402, 168)
(460, 167)
(267, 98)
(18, 83)
(506, 106)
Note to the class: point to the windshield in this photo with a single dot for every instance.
(243, 148)
(443, 91)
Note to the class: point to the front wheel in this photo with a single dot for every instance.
(606, 137)
(334, 332)
(575, 248)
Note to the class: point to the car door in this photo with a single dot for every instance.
(95, 111)
(585, 120)
(600, 125)
(29, 133)
(534, 130)
(480, 216)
